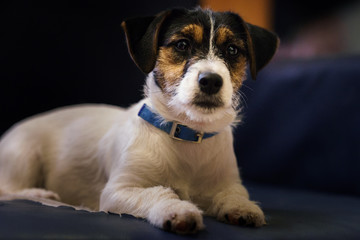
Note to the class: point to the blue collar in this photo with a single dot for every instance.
(174, 129)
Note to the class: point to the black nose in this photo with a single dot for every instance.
(210, 83)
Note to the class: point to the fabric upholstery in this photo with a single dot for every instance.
(301, 125)
(291, 214)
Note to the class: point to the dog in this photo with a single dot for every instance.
(169, 158)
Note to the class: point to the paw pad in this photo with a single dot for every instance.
(247, 221)
(181, 224)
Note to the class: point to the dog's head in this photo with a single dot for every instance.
(196, 62)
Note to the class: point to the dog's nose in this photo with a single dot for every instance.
(210, 83)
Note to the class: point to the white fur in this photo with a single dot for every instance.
(107, 158)
(189, 87)
(211, 53)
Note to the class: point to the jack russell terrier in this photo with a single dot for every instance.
(169, 158)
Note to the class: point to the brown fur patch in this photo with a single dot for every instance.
(195, 31)
(169, 69)
(191, 31)
(224, 34)
(238, 72)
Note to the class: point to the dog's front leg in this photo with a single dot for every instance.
(232, 205)
(159, 205)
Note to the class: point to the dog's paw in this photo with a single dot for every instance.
(182, 217)
(183, 223)
(246, 213)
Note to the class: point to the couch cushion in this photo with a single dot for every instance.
(291, 214)
(301, 125)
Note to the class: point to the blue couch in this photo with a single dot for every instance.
(299, 152)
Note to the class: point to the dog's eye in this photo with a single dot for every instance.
(232, 50)
(182, 45)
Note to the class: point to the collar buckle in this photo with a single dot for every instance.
(176, 128)
(200, 136)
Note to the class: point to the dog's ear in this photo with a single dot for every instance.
(142, 39)
(262, 45)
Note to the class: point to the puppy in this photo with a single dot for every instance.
(169, 158)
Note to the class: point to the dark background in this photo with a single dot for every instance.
(290, 16)
(57, 53)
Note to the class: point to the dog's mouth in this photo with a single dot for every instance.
(207, 103)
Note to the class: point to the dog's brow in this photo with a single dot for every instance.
(195, 31)
(224, 34)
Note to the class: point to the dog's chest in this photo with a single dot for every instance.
(195, 169)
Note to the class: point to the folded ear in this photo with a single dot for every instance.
(262, 45)
(142, 39)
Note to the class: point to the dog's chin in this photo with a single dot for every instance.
(207, 104)
(206, 107)
(206, 116)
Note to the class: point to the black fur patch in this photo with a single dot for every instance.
(178, 21)
(181, 18)
(146, 35)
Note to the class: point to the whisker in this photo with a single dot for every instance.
(248, 87)
(243, 98)
(155, 91)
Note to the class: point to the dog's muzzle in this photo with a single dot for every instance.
(210, 83)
